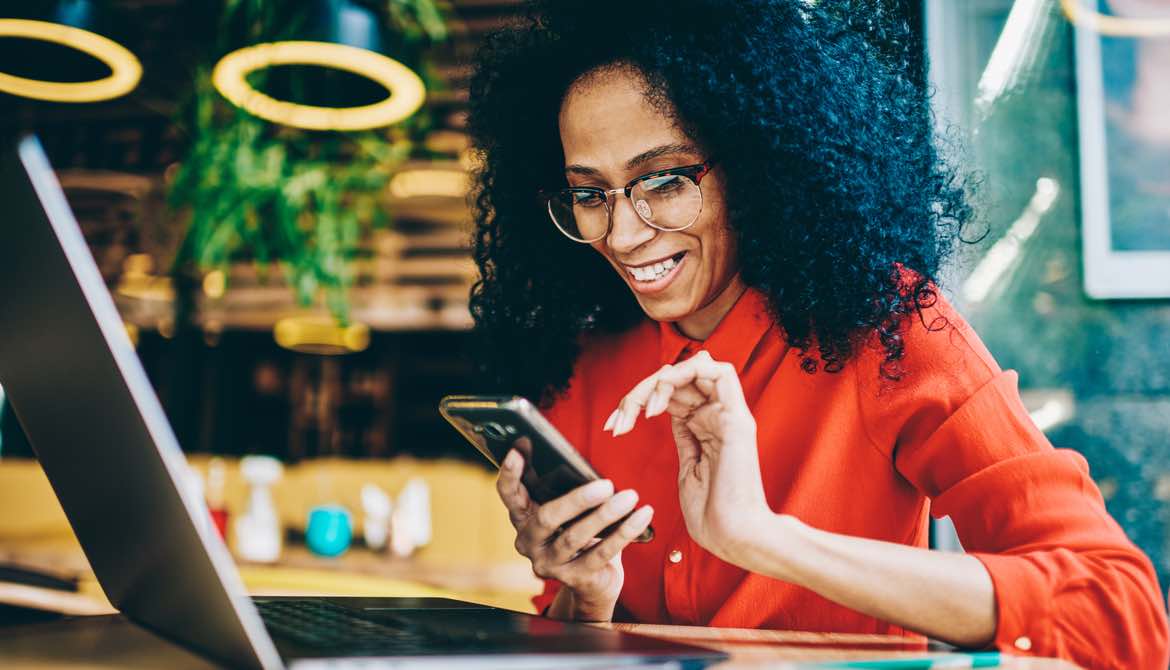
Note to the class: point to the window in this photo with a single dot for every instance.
(1095, 374)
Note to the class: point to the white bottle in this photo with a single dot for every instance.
(258, 532)
(376, 506)
(411, 521)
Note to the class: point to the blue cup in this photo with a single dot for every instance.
(329, 530)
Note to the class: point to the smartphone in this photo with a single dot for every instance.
(552, 467)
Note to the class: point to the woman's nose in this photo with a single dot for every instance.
(628, 231)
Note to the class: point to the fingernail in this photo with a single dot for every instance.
(609, 422)
(625, 424)
(642, 516)
(656, 405)
(598, 491)
(510, 461)
(624, 500)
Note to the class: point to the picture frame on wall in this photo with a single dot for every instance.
(1123, 105)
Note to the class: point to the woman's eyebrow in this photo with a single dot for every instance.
(581, 169)
(656, 152)
(644, 157)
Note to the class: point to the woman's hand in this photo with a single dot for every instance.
(719, 482)
(590, 568)
(726, 512)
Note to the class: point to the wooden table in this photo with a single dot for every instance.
(109, 641)
(751, 648)
(359, 571)
(94, 638)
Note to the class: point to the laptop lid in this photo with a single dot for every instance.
(99, 431)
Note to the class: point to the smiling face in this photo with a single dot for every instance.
(611, 134)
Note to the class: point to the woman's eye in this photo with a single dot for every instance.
(587, 200)
(664, 184)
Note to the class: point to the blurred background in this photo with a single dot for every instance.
(211, 224)
(276, 195)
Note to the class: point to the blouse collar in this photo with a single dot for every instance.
(733, 340)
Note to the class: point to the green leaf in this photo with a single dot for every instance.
(303, 201)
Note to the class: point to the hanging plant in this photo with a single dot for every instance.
(296, 199)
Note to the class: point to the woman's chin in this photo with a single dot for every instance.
(663, 308)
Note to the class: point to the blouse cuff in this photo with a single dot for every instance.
(1022, 603)
(543, 600)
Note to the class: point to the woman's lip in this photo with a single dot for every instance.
(658, 285)
(657, 260)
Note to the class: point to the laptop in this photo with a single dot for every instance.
(80, 392)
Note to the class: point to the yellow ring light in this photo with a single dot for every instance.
(1113, 26)
(406, 88)
(125, 69)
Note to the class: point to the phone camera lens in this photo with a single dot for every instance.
(495, 431)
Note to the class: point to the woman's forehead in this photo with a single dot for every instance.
(607, 121)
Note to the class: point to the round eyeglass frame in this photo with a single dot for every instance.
(694, 172)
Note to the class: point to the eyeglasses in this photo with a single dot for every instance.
(667, 200)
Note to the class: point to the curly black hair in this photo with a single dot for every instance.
(842, 206)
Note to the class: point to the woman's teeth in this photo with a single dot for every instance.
(652, 272)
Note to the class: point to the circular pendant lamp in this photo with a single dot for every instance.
(343, 36)
(71, 24)
(319, 334)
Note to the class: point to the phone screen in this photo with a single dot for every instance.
(552, 467)
(546, 475)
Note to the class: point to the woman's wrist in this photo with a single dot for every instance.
(588, 607)
(569, 605)
(768, 545)
(592, 609)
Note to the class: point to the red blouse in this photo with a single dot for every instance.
(853, 454)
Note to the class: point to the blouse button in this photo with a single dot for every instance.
(675, 556)
(1024, 643)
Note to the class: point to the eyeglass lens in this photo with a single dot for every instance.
(666, 202)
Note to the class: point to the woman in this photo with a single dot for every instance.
(709, 236)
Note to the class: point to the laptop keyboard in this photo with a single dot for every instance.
(328, 628)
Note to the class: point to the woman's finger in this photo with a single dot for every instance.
(603, 552)
(632, 404)
(583, 533)
(512, 490)
(715, 379)
(659, 398)
(547, 520)
(683, 401)
(653, 393)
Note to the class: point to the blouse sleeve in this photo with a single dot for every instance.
(1068, 582)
